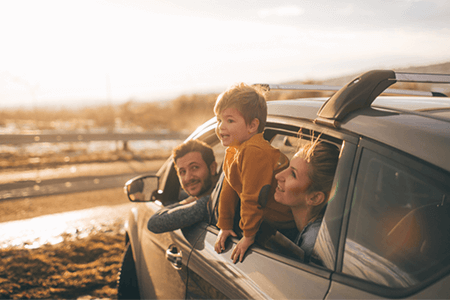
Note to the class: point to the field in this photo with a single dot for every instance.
(84, 268)
(75, 268)
(79, 267)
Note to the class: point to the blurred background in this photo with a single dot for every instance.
(158, 66)
(76, 54)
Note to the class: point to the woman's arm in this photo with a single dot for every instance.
(179, 215)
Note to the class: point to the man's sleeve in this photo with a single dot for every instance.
(178, 216)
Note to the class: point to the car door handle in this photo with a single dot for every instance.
(175, 257)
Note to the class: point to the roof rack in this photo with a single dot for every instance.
(362, 91)
(335, 88)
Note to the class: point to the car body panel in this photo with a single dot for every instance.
(260, 276)
(425, 138)
(438, 290)
(157, 276)
(399, 130)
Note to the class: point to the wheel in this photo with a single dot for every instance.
(127, 284)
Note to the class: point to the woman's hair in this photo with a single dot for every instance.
(249, 100)
(322, 159)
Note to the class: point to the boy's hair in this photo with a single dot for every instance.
(250, 101)
(194, 146)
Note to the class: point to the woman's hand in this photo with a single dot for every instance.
(241, 248)
(219, 246)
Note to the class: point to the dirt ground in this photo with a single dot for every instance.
(77, 268)
(84, 268)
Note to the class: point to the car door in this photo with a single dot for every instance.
(162, 264)
(164, 256)
(266, 273)
(396, 242)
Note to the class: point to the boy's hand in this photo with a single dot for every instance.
(221, 238)
(241, 248)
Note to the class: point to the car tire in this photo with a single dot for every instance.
(127, 283)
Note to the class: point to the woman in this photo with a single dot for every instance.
(305, 187)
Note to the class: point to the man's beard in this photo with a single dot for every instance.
(206, 185)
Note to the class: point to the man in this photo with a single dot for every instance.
(196, 168)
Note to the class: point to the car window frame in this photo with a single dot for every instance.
(290, 126)
(430, 173)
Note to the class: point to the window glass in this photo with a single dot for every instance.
(289, 145)
(399, 228)
(284, 242)
(219, 153)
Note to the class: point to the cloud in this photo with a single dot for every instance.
(282, 11)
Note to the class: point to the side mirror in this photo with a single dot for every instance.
(142, 188)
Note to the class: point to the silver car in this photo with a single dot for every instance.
(386, 229)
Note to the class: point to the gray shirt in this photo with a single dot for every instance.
(307, 238)
(178, 216)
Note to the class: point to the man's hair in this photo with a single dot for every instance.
(194, 146)
(250, 101)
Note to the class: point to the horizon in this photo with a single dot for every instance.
(109, 52)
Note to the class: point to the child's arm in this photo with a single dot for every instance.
(219, 246)
(241, 248)
(228, 200)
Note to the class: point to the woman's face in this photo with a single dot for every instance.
(293, 183)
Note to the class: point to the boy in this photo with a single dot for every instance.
(250, 165)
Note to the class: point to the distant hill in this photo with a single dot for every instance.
(442, 68)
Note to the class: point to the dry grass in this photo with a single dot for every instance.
(75, 268)
(83, 268)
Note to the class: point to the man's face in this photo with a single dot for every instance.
(194, 174)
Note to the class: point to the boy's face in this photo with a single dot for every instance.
(232, 127)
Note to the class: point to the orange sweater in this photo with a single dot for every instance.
(250, 170)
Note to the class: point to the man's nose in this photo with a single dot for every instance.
(188, 175)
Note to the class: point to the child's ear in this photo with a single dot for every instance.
(253, 127)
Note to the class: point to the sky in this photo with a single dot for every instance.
(97, 52)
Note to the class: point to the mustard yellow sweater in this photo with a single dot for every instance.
(250, 170)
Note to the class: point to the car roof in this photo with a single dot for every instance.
(419, 126)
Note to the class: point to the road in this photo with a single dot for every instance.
(72, 179)
(86, 198)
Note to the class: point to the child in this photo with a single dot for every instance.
(250, 165)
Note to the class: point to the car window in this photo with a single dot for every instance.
(219, 153)
(282, 242)
(399, 227)
(287, 144)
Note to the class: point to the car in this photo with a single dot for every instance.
(386, 228)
